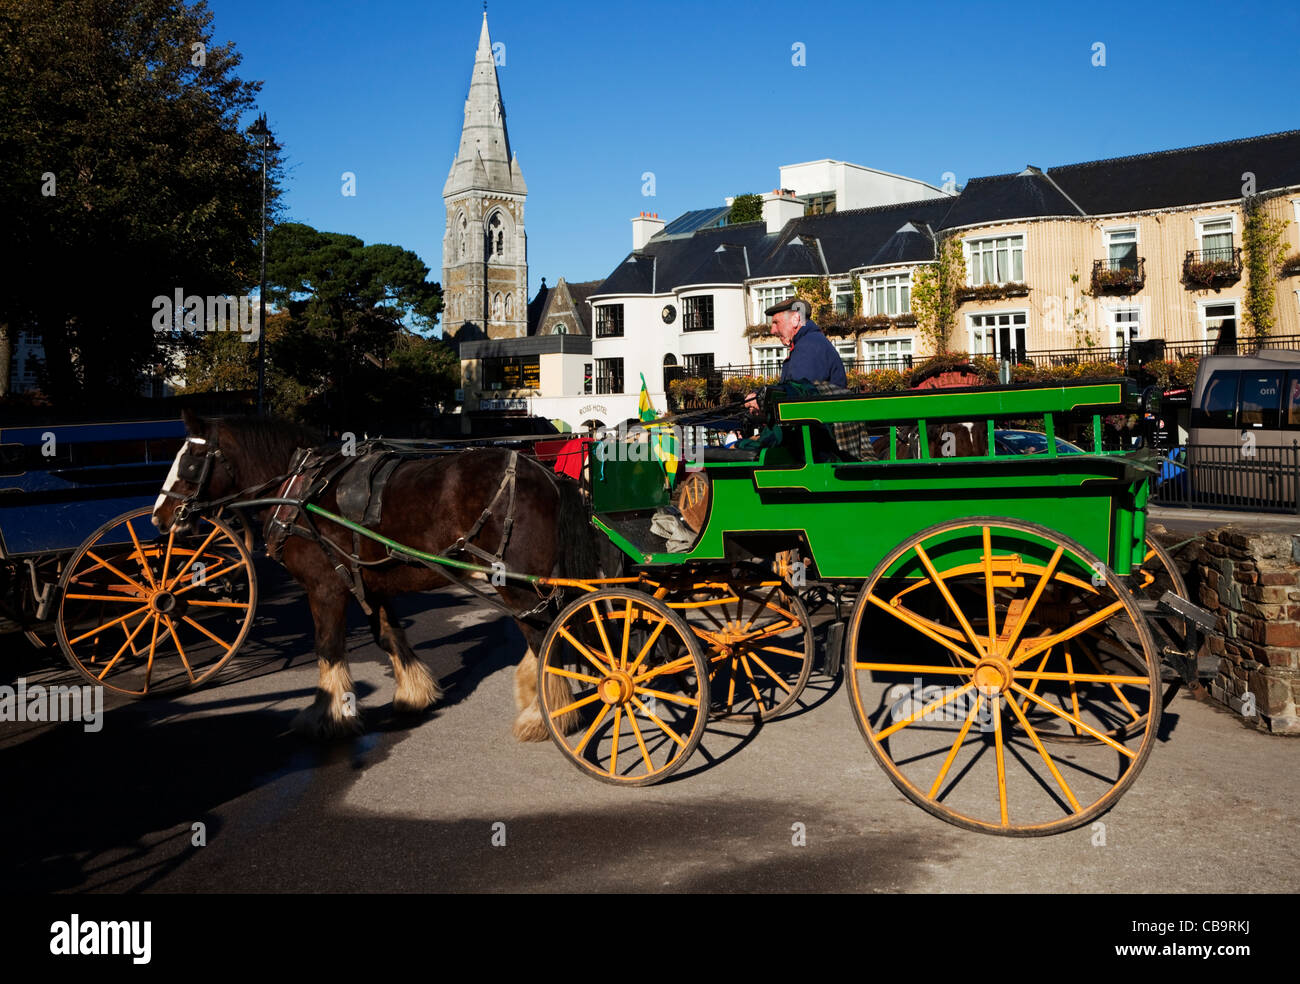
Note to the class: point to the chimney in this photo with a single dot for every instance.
(779, 207)
(644, 227)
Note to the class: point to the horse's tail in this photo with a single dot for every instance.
(576, 538)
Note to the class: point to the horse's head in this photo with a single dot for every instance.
(201, 472)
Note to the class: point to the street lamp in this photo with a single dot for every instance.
(263, 135)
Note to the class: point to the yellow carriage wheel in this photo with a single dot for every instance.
(758, 642)
(974, 651)
(144, 613)
(623, 687)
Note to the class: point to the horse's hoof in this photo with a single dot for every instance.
(412, 705)
(529, 726)
(420, 693)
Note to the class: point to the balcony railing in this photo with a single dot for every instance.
(1123, 276)
(1218, 267)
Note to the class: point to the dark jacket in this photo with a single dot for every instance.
(813, 358)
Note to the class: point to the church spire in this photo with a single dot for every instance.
(483, 134)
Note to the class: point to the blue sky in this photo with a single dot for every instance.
(707, 98)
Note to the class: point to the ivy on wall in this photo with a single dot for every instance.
(1264, 247)
(934, 293)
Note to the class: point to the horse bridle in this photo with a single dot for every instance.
(197, 470)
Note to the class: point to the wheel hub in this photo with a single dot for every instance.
(992, 676)
(164, 603)
(616, 688)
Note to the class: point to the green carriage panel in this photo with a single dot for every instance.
(851, 513)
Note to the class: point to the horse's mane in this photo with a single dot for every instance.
(266, 443)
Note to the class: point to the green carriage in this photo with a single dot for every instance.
(998, 656)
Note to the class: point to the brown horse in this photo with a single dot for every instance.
(428, 504)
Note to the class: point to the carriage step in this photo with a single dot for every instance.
(1170, 604)
(834, 655)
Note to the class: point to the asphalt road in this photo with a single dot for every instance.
(413, 805)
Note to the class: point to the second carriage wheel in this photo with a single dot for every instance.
(623, 687)
(757, 640)
(144, 613)
(969, 647)
(1159, 573)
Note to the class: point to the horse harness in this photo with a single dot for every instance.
(359, 481)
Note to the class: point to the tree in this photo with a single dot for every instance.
(348, 305)
(745, 208)
(124, 176)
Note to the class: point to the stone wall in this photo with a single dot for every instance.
(1251, 580)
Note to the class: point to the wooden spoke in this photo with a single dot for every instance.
(776, 677)
(108, 625)
(186, 566)
(1074, 630)
(928, 708)
(1076, 722)
(947, 596)
(903, 615)
(599, 622)
(130, 528)
(1014, 635)
(570, 674)
(1001, 760)
(988, 592)
(568, 708)
(640, 741)
(591, 657)
(952, 753)
(912, 668)
(613, 754)
(1047, 759)
(140, 588)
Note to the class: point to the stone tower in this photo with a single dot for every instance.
(484, 249)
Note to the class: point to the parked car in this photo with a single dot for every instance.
(1030, 442)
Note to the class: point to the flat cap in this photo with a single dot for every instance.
(790, 304)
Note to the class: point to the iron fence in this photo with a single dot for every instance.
(1248, 475)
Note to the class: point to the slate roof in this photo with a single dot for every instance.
(1002, 197)
(580, 292)
(1186, 176)
(853, 238)
(537, 306)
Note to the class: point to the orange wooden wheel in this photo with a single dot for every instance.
(692, 499)
(623, 688)
(961, 672)
(143, 613)
(757, 640)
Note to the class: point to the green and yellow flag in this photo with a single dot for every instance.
(662, 439)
